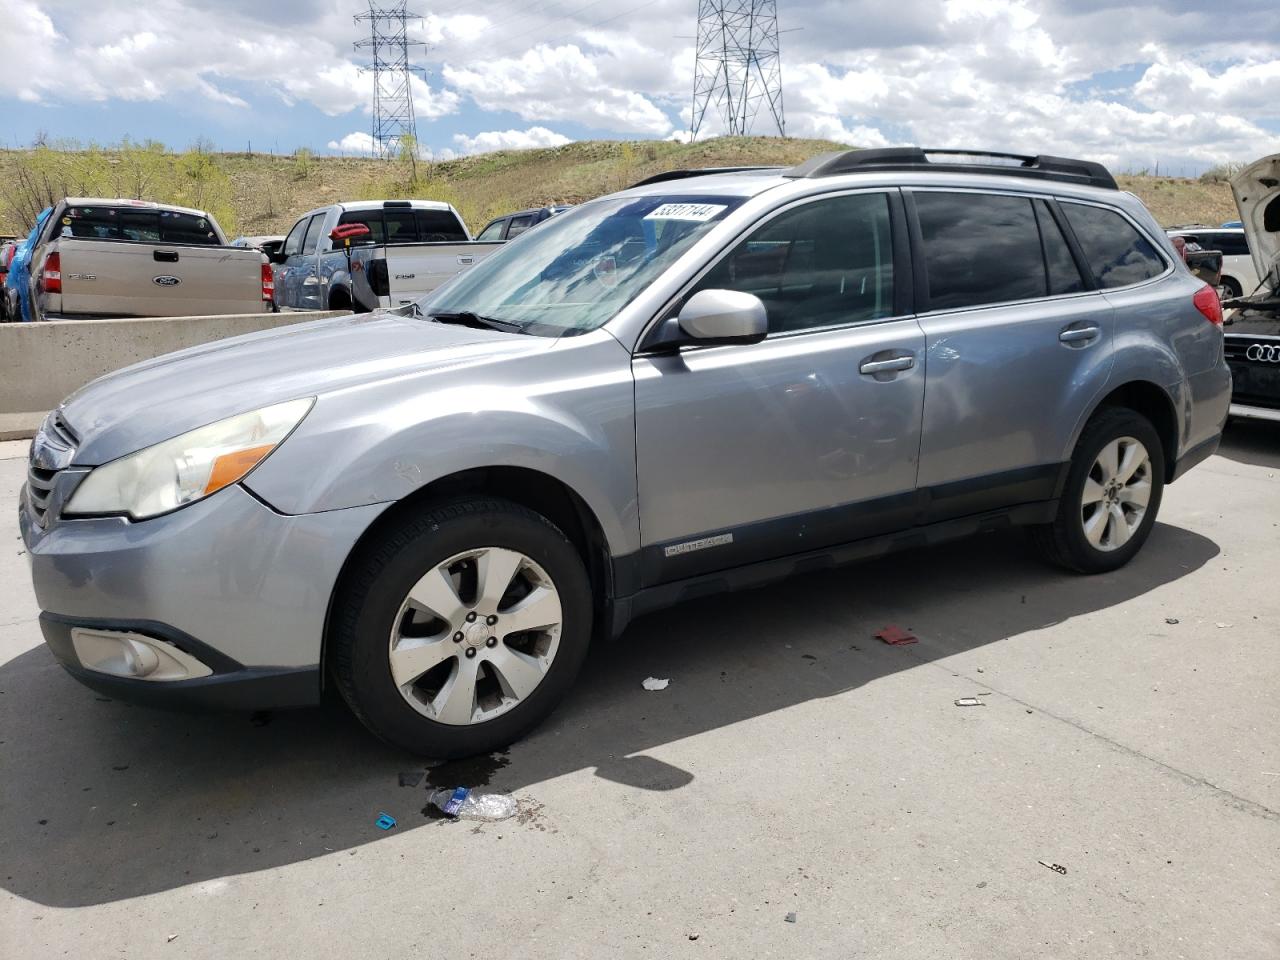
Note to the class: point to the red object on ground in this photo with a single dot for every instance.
(895, 635)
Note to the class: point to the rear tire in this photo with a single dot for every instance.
(1229, 288)
(500, 577)
(1111, 497)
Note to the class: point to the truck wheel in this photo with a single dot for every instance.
(1228, 288)
(1111, 497)
(461, 628)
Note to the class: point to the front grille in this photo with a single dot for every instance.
(57, 443)
(1263, 351)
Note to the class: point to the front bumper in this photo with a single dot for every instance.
(227, 581)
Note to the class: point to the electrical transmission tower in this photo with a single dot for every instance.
(739, 66)
(388, 45)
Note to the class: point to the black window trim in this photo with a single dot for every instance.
(1156, 245)
(903, 269)
(917, 249)
(304, 221)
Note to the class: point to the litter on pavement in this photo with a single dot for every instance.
(1055, 867)
(385, 821)
(895, 635)
(1170, 620)
(969, 702)
(461, 804)
(653, 683)
(790, 918)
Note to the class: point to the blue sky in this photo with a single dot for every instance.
(1130, 84)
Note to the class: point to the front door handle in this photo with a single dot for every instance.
(1079, 334)
(887, 366)
(165, 256)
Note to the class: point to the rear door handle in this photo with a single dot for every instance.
(466, 260)
(165, 256)
(1079, 334)
(887, 366)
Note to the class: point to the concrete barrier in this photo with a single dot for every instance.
(41, 363)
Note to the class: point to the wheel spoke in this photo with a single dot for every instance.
(1093, 491)
(1109, 460)
(1133, 455)
(1137, 494)
(518, 673)
(435, 594)
(496, 569)
(456, 701)
(1096, 525)
(1119, 526)
(411, 658)
(538, 610)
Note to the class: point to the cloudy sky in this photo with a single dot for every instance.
(1187, 84)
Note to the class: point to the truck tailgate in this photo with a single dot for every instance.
(139, 279)
(415, 269)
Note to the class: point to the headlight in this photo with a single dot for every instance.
(187, 468)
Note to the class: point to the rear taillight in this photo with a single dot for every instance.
(1207, 302)
(51, 274)
(268, 284)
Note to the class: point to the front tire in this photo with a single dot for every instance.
(461, 628)
(1112, 495)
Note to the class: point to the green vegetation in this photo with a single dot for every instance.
(263, 194)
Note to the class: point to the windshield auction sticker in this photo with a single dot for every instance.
(697, 212)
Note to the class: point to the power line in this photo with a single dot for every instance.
(739, 64)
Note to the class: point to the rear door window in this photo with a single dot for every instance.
(1116, 252)
(1231, 244)
(493, 231)
(1064, 275)
(435, 226)
(979, 249)
(313, 234)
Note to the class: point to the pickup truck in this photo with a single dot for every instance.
(132, 258)
(410, 247)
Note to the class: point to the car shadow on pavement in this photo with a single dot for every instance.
(1252, 441)
(105, 801)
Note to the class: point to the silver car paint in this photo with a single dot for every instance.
(402, 402)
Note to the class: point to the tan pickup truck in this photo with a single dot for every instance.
(134, 258)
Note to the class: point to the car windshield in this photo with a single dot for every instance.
(578, 269)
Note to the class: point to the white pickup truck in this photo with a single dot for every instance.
(132, 258)
(409, 248)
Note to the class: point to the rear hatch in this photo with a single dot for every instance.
(1257, 193)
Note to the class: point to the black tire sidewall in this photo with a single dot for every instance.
(1112, 425)
(377, 699)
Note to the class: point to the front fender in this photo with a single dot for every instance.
(383, 442)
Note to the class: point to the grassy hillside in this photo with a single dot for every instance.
(259, 194)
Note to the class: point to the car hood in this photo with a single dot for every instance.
(1257, 193)
(157, 399)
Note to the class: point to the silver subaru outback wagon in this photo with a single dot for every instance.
(704, 382)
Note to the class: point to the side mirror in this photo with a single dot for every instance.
(713, 317)
(347, 234)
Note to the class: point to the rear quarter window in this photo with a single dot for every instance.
(1116, 252)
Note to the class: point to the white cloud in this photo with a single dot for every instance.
(557, 83)
(509, 140)
(357, 142)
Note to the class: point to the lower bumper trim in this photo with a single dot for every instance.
(232, 687)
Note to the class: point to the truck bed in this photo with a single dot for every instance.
(412, 270)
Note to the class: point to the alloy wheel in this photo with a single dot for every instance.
(475, 636)
(1116, 493)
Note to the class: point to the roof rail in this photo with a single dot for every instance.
(1084, 172)
(685, 174)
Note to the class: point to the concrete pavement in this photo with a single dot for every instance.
(794, 764)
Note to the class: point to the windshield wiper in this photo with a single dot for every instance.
(467, 318)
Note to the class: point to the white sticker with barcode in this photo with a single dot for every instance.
(697, 212)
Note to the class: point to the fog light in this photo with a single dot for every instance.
(134, 656)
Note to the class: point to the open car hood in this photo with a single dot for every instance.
(1257, 193)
